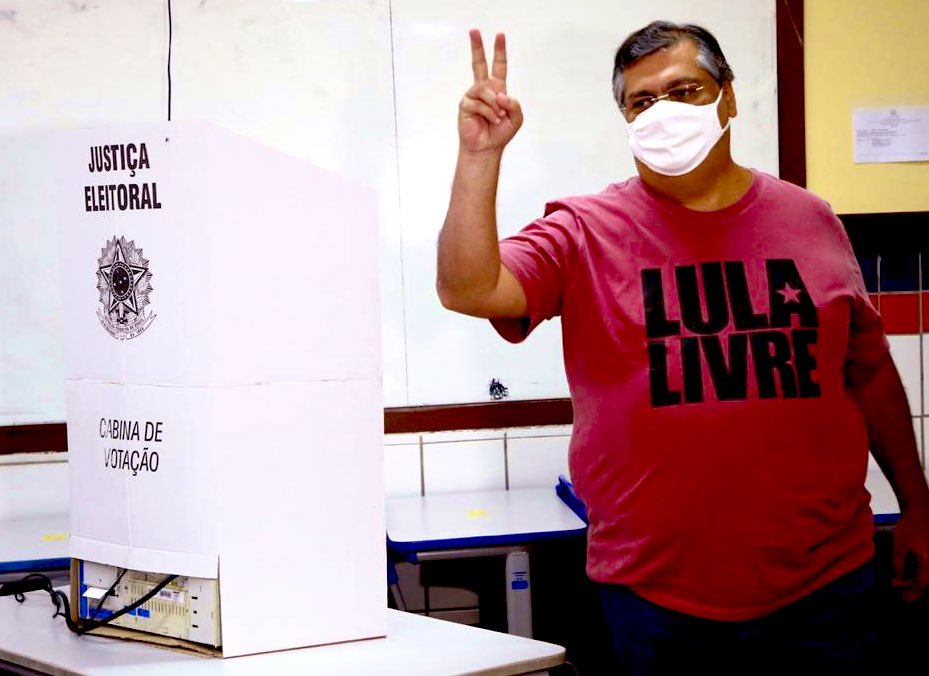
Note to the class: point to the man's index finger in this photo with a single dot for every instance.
(478, 60)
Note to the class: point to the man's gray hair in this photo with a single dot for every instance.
(660, 35)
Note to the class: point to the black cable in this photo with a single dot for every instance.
(170, 40)
(38, 582)
(108, 593)
(90, 625)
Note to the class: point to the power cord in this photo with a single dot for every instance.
(108, 593)
(37, 582)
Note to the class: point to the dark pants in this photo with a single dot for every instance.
(835, 630)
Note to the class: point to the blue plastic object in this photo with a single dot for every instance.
(565, 491)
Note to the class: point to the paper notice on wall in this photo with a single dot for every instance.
(891, 134)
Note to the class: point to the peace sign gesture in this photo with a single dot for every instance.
(487, 117)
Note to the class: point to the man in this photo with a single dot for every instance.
(727, 370)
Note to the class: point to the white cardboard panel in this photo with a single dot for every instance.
(287, 456)
(142, 467)
(173, 510)
(88, 244)
(257, 267)
(251, 471)
(99, 495)
(301, 479)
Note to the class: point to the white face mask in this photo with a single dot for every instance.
(673, 138)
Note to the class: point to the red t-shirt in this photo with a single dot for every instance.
(717, 450)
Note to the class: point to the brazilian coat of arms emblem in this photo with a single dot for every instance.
(124, 283)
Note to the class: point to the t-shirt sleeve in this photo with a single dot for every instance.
(867, 343)
(540, 256)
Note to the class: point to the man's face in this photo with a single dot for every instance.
(669, 69)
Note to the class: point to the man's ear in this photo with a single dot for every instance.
(729, 100)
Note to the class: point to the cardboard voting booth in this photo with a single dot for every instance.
(224, 407)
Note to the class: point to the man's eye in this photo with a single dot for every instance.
(640, 104)
(681, 93)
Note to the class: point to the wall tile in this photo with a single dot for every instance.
(922, 450)
(905, 353)
(924, 298)
(464, 466)
(33, 489)
(404, 439)
(402, 471)
(536, 462)
(461, 435)
(899, 272)
(883, 500)
(900, 313)
(925, 342)
(920, 436)
(543, 431)
(868, 265)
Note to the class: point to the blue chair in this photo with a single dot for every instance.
(393, 584)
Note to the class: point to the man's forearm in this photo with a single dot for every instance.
(886, 412)
(469, 252)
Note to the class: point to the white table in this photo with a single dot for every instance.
(483, 523)
(35, 544)
(415, 646)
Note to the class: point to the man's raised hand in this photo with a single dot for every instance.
(487, 117)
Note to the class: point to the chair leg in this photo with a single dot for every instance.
(397, 596)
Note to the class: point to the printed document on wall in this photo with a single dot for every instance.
(898, 134)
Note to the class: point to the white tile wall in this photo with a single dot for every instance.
(530, 457)
(33, 485)
(920, 438)
(536, 462)
(925, 384)
(401, 439)
(883, 500)
(544, 431)
(922, 448)
(463, 466)
(905, 351)
(402, 470)
(462, 435)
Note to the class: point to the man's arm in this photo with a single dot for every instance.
(883, 403)
(470, 278)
